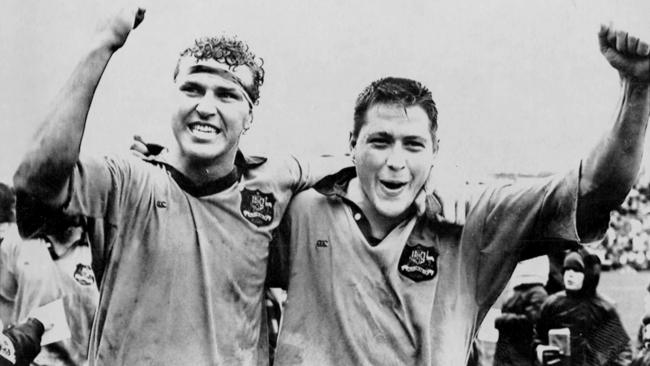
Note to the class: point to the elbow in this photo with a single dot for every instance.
(24, 181)
(46, 185)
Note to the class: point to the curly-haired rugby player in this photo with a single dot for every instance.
(183, 256)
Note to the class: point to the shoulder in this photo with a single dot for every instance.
(605, 303)
(555, 300)
(13, 245)
(309, 200)
(275, 167)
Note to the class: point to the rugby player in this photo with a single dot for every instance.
(369, 283)
(184, 235)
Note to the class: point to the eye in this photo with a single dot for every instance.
(191, 89)
(229, 95)
(414, 145)
(378, 142)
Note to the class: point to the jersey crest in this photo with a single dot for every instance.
(257, 206)
(84, 275)
(419, 263)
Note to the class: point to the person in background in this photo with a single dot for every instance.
(7, 209)
(597, 336)
(520, 312)
(55, 264)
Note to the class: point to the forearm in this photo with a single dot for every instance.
(612, 167)
(46, 168)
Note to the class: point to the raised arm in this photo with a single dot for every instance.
(611, 168)
(46, 168)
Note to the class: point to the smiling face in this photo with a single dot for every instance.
(212, 110)
(393, 154)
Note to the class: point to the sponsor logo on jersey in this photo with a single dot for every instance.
(419, 263)
(257, 207)
(322, 243)
(7, 350)
(84, 275)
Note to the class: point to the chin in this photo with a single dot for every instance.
(202, 152)
(392, 209)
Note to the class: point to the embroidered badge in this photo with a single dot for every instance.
(7, 350)
(418, 262)
(257, 207)
(84, 274)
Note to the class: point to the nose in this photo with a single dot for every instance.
(206, 107)
(396, 159)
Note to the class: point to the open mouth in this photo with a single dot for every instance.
(392, 185)
(203, 129)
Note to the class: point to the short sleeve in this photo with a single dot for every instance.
(530, 214)
(307, 171)
(92, 186)
(98, 189)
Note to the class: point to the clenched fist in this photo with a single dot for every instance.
(116, 27)
(626, 53)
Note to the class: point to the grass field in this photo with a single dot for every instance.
(627, 290)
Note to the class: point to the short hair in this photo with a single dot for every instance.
(395, 91)
(230, 51)
(7, 204)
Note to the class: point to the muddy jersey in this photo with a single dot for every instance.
(182, 267)
(418, 296)
(30, 277)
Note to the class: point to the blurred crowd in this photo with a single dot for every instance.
(627, 242)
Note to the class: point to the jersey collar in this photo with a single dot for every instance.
(242, 164)
(337, 184)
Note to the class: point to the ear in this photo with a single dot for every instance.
(352, 142)
(249, 120)
(436, 146)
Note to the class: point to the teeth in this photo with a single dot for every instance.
(203, 128)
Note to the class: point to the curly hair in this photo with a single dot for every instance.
(230, 51)
(395, 91)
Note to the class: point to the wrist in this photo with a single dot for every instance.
(105, 42)
(636, 90)
(634, 84)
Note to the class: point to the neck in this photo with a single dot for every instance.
(380, 225)
(203, 171)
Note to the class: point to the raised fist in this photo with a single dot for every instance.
(626, 53)
(116, 27)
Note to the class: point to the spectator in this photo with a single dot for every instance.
(520, 312)
(597, 335)
(55, 265)
(7, 204)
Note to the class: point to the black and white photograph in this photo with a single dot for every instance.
(297, 183)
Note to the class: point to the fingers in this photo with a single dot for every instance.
(139, 17)
(643, 49)
(622, 42)
(632, 43)
(139, 147)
